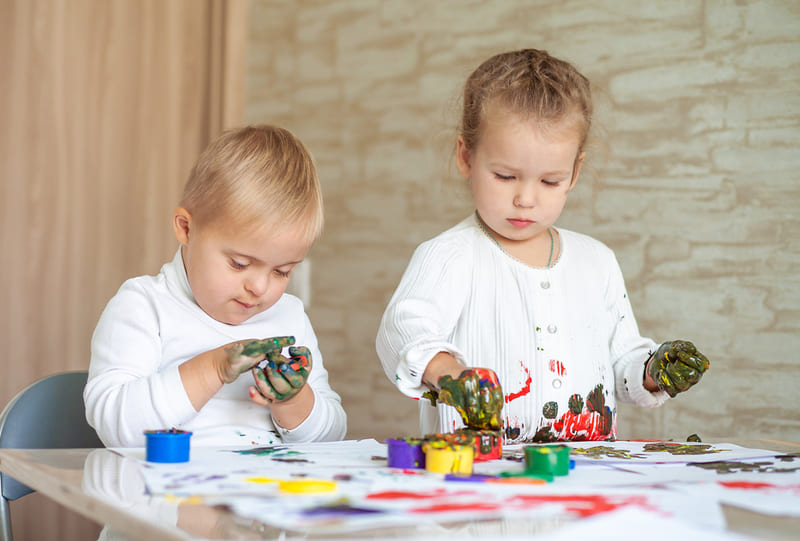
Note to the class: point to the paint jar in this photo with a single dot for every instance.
(487, 444)
(562, 459)
(405, 453)
(444, 457)
(547, 460)
(167, 445)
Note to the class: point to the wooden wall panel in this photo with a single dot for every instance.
(104, 106)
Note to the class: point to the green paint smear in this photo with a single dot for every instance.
(264, 451)
(601, 451)
(680, 449)
(723, 467)
(270, 347)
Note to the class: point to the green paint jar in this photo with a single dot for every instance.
(547, 459)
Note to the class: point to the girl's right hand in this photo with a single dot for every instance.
(241, 356)
(477, 396)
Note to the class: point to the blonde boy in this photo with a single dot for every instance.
(168, 349)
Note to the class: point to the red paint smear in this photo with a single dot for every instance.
(525, 388)
(405, 495)
(749, 485)
(408, 472)
(443, 507)
(584, 505)
(557, 367)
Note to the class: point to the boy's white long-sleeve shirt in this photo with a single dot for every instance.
(563, 340)
(150, 327)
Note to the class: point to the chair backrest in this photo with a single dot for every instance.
(48, 414)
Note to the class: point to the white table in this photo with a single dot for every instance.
(66, 476)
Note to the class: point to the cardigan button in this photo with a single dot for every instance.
(552, 329)
(544, 284)
(556, 383)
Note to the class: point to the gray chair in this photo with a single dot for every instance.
(48, 414)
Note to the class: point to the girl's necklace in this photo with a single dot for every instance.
(486, 230)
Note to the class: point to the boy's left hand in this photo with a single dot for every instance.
(676, 366)
(279, 381)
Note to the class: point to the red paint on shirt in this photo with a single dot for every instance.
(526, 388)
(557, 367)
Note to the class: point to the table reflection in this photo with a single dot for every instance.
(118, 480)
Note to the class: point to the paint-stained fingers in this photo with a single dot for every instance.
(280, 382)
(277, 381)
(266, 346)
(263, 388)
(477, 396)
(239, 358)
(297, 370)
(492, 403)
(258, 398)
(471, 396)
(280, 342)
(445, 396)
(294, 374)
(679, 376)
(302, 355)
(697, 360)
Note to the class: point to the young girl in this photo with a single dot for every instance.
(169, 349)
(542, 312)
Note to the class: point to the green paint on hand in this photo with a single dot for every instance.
(477, 396)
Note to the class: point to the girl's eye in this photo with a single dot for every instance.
(238, 266)
(283, 274)
(550, 182)
(504, 177)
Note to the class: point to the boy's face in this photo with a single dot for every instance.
(520, 176)
(235, 275)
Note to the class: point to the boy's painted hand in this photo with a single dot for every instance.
(676, 366)
(243, 355)
(282, 378)
(477, 396)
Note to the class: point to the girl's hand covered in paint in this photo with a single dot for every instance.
(676, 366)
(282, 378)
(477, 396)
(243, 355)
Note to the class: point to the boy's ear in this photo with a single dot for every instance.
(576, 170)
(463, 158)
(182, 223)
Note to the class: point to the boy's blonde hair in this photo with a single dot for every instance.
(531, 83)
(255, 176)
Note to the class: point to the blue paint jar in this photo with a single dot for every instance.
(167, 445)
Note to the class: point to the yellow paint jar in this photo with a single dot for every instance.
(443, 457)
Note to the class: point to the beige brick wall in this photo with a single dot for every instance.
(695, 187)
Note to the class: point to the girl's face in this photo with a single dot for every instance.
(236, 274)
(520, 174)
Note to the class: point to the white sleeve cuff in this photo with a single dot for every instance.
(322, 424)
(408, 377)
(637, 393)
